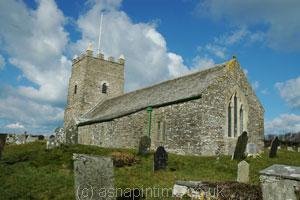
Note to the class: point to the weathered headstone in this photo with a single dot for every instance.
(243, 172)
(94, 178)
(274, 145)
(160, 158)
(251, 149)
(52, 143)
(290, 149)
(2, 143)
(144, 145)
(239, 152)
(280, 182)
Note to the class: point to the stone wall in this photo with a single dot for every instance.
(88, 74)
(196, 126)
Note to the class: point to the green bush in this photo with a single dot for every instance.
(121, 159)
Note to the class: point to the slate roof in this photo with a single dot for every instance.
(172, 91)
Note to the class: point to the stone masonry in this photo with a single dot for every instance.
(189, 114)
(88, 74)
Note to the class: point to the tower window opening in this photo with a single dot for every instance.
(75, 89)
(104, 88)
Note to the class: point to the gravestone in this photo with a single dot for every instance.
(94, 178)
(239, 152)
(274, 145)
(290, 149)
(280, 182)
(251, 149)
(51, 143)
(144, 145)
(2, 143)
(160, 158)
(243, 172)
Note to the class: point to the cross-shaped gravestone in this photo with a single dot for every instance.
(274, 145)
(243, 172)
(2, 143)
(94, 177)
(239, 152)
(160, 158)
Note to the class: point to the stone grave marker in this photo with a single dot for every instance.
(2, 143)
(160, 158)
(144, 145)
(239, 152)
(52, 143)
(298, 149)
(290, 149)
(274, 146)
(280, 182)
(243, 172)
(94, 178)
(251, 149)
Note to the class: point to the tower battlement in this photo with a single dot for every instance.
(90, 53)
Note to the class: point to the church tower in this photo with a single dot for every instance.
(93, 80)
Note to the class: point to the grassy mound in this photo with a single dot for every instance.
(30, 171)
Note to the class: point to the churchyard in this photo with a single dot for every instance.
(31, 171)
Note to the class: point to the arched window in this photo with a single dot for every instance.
(104, 88)
(235, 116)
(241, 120)
(229, 120)
(75, 89)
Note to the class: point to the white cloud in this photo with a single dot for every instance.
(265, 91)
(220, 46)
(283, 124)
(255, 85)
(2, 62)
(290, 91)
(216, 50)
(15, 126)
(176, 66)
(144, 47)
(203, 62)
(232, 37)
(279, 19)
(35, 41)
(36, 117)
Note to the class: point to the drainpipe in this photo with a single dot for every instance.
(149, 111)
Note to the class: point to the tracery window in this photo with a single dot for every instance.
(235, 116)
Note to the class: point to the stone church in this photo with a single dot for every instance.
(201, 113)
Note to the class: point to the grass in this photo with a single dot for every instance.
(30, 171)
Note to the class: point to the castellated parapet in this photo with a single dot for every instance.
(94, 79)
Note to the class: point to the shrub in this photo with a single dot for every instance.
(145, 143)
(121, 159)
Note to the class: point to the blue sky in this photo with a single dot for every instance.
(160, 40)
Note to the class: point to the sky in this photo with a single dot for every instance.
(160, 39)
